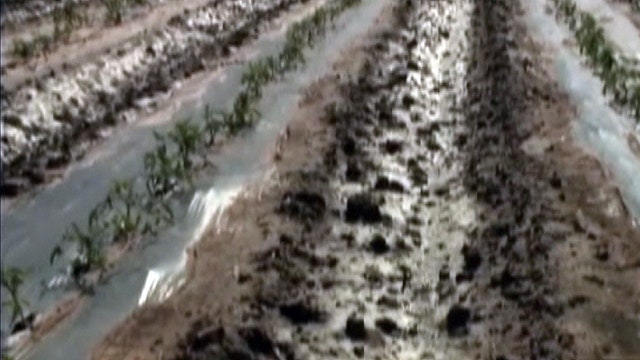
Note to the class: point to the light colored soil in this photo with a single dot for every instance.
(625, 7)
(596, 222)
(150, 79)
(59, 314)
(190, 92)
(89, 42)
(559, 274)
(227, 253)
(47, 322)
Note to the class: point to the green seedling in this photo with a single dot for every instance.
(163, 170)
(65, 19)
(22, 49)
(212, 124)
(114, 11)
(256, 76)
(90, 255)
(244, 111)
(187, 137)
(125, 214)
(12, 279)
(615, 71)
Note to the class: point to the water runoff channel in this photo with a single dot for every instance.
(153, 270)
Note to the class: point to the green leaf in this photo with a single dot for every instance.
(55, 253)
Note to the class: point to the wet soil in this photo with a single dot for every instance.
(411, 220)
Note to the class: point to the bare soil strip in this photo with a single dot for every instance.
(412, 220)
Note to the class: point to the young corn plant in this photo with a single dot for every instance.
(126, 212)
(292, 56)
(43, 43)
(160, 214)
(65, 19)
(245, 112)
(635, 101)
(616, 72)
(124, 217)
(188, 138)
(163, 170)
(12, 279)
(256, 76)
(212, 124)
(114, 11)
(23, 49)
(319, 20)
(275, 67)
(89, 256)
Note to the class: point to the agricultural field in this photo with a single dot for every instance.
(320, 179)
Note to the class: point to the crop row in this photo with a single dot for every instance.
(620, 75)
(134, 208)
(66, 18)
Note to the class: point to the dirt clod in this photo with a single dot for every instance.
(457, 321)
(353, 172)
(392, 147)
(358, 351)
(385, 184)
(361, 208)
(378, 245)
(355, 328)
(303, 205)
(387, 325)
(300, 313)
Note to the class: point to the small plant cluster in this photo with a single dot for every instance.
(132, 210)
(25, 49)
(12, 279)
(66, 18)
(620, 75)
(116, 9)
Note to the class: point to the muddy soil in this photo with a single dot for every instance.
(539, 204)
(428, 205)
